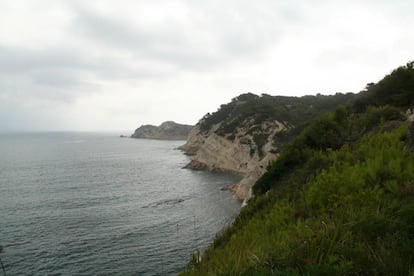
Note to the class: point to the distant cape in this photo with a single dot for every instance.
(166, 131)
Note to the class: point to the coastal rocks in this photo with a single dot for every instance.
(166, 131)
(247, 152)
(194, 141)
(196, 165)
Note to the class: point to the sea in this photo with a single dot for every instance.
(75, 203)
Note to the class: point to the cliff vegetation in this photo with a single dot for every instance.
(339, 200)
(244, 136)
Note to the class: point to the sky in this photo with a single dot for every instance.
(108, 65)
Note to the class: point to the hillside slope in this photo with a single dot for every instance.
(339, 200)
(242, 136)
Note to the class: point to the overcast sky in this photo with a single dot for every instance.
(114, 65)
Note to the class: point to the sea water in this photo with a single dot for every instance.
(96, 204)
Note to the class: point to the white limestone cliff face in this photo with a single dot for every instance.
(237, 152)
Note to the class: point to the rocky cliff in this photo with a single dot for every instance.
(241, 154)
(166, 131)
(343, 182)
(241, 137)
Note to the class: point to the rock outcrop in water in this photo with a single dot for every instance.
(244, 136)
(166, 131)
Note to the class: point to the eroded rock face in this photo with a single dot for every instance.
(241, 136)
(246, 152)
(166, 131)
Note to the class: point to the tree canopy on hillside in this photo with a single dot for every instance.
(289, 110)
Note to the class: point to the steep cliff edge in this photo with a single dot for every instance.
(166, 131)
(242, 136)
(241, 154)
(344, 183)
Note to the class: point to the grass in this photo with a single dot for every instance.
(353, 218)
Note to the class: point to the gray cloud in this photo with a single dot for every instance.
(163, 46)
(20, 60)
(208, 38)
(159, 57)
(61, 75)
(38, 75)
(56, 78)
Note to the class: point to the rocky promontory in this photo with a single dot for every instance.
(246, 152)
(166, 131)
(244, 136)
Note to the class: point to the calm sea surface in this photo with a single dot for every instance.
(96, 204)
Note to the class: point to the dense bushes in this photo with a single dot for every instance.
(338, 201)
(396, 89)
(291, 110)
(327, 132)
(353, 217)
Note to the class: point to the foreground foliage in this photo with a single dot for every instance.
(353, 217)
(338, 201)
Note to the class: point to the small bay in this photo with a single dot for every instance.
(96, 204)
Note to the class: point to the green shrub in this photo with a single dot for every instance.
(338, 201)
